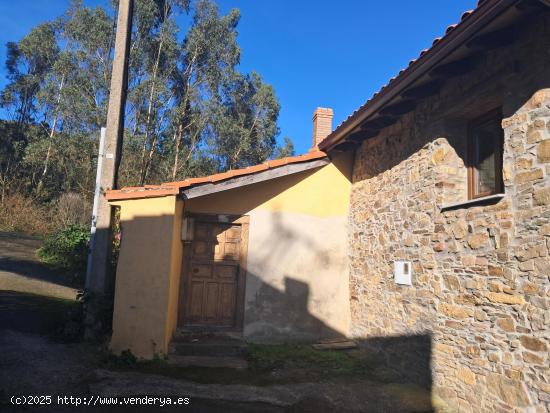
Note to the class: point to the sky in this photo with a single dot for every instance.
(314, 53)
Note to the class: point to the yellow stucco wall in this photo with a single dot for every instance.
(297, 285)
(148, 273)
(322, 192)
(302, 216)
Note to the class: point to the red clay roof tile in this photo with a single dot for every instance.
(173, 188)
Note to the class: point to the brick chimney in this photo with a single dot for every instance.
(322, 125)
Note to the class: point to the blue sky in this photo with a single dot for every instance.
(314, 52)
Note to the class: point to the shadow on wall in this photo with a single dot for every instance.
(404, 359)
(288, 234)
(283, 316)
(280, 315)
(270, 313)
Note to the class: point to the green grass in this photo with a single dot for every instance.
(268, 364)
(266, 357)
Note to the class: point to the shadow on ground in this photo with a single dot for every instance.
(37, 314)
(18, 257)
(393, 376)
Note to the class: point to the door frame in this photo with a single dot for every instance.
(185, 279)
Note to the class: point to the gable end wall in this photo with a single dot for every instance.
(481, 274)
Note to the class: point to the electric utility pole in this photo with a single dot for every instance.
(97, 281)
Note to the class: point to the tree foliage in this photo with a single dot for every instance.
(190, 111)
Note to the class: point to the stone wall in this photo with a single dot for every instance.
(481, 273)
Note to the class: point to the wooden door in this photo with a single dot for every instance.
(213, 273)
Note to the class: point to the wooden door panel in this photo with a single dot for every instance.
(211, 301)
(227, 301)
(201, 270)
(195, 300)
(212, 281)
(219, 252)
(231, 251)
(202, 231)
(202, 249)
(226, 272)
(233, 234)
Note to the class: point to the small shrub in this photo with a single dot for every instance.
(67, 249)
(126, 359)
(72, 209)
(22, 214)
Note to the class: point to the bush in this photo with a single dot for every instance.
(19, 213)
(23, 214)
(72, 209)
(67, 249)
(126, 359)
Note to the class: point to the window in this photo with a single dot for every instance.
(485, 142)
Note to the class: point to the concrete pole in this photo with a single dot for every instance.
(98, 277)
(97, 194)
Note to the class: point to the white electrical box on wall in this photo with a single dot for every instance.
(402, 271)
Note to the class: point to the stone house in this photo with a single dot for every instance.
(444, 177)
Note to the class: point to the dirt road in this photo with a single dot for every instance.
(21, 271)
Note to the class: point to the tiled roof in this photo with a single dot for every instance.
(173, 188)
(412, 65)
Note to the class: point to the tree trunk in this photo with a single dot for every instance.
(189, 75)
(177, 146)
(146, 163)
(52, 134)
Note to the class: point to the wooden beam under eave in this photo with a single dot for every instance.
(495, 39)
(399, 108)
(362, 135)
(346, 146)
(379, 122)
(456, 68)
(529, 5)
(425, 90)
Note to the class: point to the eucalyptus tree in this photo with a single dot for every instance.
(89, 36)
(209, 55)
(190, 111)
(246, 123)
(28, 65)
(28, 62)
(52, 98)
(73, 91)
(160, 58)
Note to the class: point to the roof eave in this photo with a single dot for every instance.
(485, 13)
(246, 180)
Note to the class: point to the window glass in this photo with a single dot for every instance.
(485, 167)
(486, 139)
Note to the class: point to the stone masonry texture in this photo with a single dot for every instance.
(481, 288)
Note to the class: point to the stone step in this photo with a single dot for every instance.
(194, 336)
(208, 349)
(207, 361)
